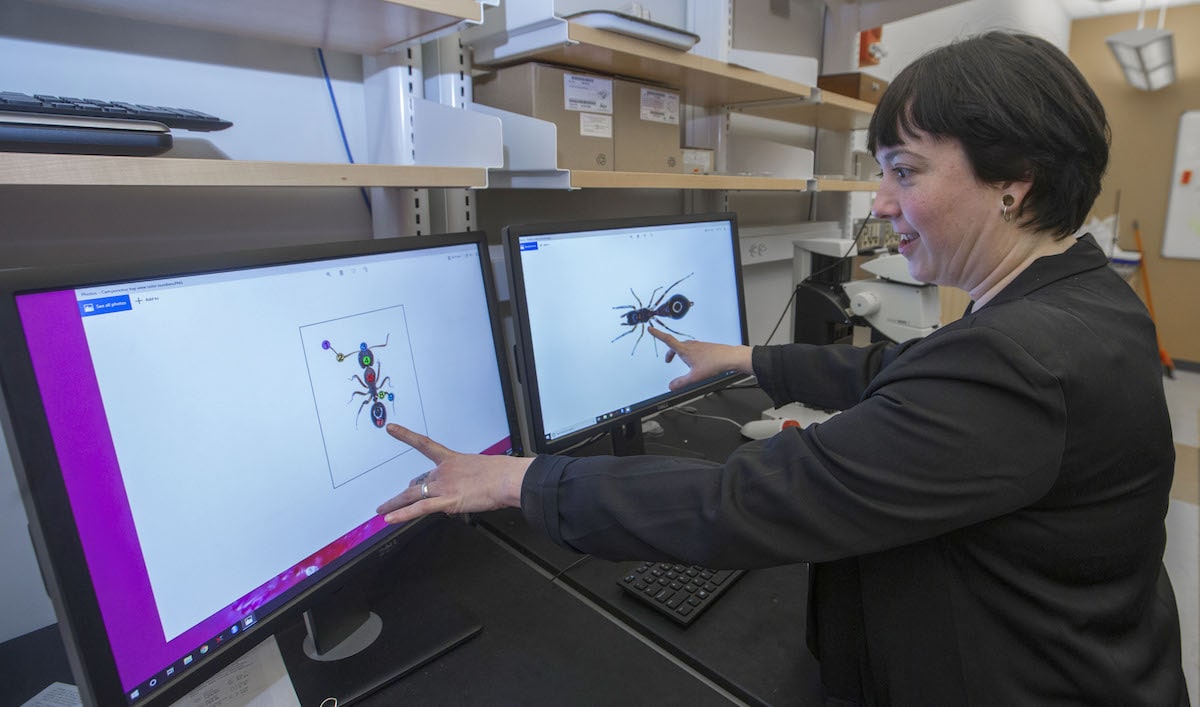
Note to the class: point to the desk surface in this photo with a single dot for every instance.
(752, 640)
(539, 644)
(542, 645)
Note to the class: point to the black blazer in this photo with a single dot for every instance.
(985, 518)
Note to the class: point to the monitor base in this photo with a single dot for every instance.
(414, 633)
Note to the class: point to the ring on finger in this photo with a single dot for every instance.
(425, 490)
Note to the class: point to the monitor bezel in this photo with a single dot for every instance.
(526, 363)
(54, 534)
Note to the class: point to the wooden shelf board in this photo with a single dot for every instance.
(826, 184)
(584, 179)
(90, 170)
(357, 26)
(703, 81)
(832, 112)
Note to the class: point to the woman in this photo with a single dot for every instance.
(985, 518)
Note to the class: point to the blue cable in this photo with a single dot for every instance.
(341, 128)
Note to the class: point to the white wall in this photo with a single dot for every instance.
(907, 39)
(273, 93)
(276, 97)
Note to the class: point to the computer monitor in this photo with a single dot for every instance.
(200, 447)
(583, 294)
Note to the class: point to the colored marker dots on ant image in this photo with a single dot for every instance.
(361, 368)
(373, 391)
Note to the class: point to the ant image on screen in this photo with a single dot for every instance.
(370, 381)
(639, 316)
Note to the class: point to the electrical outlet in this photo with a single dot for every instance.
(758, 250)
(869, 237)
(769, 244)
(766, 248)
(891, 240)
(876, 234)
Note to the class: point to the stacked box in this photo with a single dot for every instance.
(646, 128)
(696, 160)
(578, 103)
(855, 85)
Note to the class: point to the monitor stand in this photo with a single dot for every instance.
(348, 646)
(627, 439)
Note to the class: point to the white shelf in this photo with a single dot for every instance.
(372, 26)
(355, 26)
(530, 162)
(703, 81)
(452, 148)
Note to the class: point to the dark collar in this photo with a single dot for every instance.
(1083, 256)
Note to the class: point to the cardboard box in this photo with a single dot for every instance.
(646, 128)
(696, 160)
(578, 103)
(856, 85)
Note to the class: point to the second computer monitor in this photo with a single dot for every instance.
(584, 294)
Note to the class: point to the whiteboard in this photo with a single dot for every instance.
(1181, 238)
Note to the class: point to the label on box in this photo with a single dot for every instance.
(595, 125)
(587, 93)
(697, 161)
(660, 106)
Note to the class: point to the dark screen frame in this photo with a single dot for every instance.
(526, 363)
(53, 531)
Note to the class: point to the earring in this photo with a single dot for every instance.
(1008, 201)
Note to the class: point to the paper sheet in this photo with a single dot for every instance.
(56, 694)
(257, 679)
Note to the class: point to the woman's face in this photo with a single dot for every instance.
(950, 226)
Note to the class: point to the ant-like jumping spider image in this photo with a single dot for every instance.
(639, 316)
(372, 385)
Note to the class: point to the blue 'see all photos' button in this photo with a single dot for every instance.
(532, 245)
(104, 305)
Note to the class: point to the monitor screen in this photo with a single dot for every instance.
(583, 295)
(200, 443)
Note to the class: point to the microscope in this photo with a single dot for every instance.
(829, 303)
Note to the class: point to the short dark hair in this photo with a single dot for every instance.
(1021, 111)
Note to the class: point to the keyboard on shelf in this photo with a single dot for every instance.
(679, 592)
(14, 103)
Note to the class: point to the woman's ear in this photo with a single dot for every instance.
(1018, 189)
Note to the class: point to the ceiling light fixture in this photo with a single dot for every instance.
(1146, 56)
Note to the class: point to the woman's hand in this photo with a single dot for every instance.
(460, 483)
(704, 359)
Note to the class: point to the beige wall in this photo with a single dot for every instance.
(1144, 126)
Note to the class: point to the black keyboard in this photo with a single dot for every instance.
(41, 104)
(679, 592)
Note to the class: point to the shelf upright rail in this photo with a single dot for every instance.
(405, 128)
